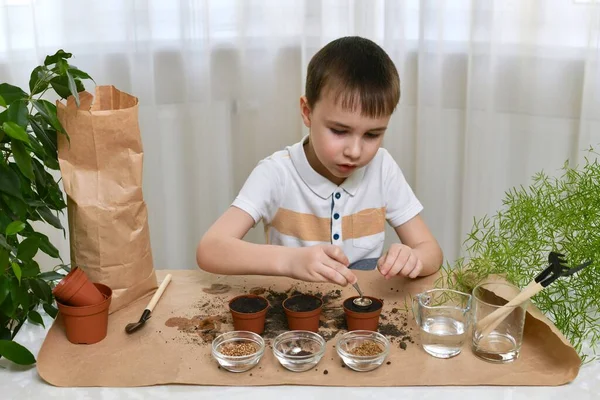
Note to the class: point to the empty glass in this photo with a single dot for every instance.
(503, 343)
(443, 317)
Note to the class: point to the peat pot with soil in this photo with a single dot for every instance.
(249, 312)
(303, 312)
(362, 317)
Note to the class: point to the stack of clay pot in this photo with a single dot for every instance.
(83, 307)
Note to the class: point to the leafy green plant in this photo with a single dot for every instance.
(28, 193)
(552, 214)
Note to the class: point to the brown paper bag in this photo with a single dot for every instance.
(101, 168)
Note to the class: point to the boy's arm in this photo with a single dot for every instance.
(419, 254)
(222, 251)
(415, 234)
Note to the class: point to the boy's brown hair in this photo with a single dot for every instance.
(357, 70)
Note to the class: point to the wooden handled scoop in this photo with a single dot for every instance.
(555, 270)
(134, 326)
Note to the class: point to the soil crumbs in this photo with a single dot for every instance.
(214, 318)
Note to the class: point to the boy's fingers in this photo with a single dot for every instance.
(390, 260)
(342, 270)
(336, 253)
(404, 256)
(418, 268)
(406, 268)
(381, 261)
(333, 274)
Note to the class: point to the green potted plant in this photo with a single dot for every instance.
(559, 214)
(30, 193)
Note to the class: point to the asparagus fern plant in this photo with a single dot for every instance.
(551, 214)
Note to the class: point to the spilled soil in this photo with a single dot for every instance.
(206, 328)
(217, 288)
(213, 317)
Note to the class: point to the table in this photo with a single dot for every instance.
(18, 382)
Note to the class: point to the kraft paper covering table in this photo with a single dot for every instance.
(170, 350)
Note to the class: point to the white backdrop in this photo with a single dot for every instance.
(492, 92)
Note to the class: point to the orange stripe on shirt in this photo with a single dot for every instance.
(306, 227)
(309, 227)
(369, 221)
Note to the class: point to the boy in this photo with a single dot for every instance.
(324, 200)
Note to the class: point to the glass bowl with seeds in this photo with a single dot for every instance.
(298, 350)
(238, 351)
(363, 350)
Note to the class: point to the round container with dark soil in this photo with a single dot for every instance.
(303, 312)
(362, 318)
(248, 312)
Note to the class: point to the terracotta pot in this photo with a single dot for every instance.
(89, 324)
(77, 290)
(302, 315)
(249, 312)
(363, 318)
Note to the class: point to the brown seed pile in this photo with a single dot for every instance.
(366, 349)
(238, 349)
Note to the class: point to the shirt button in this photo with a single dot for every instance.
(336, 216)
(338, 195)
(336, 236)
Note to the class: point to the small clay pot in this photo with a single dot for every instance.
(362, 318)
(303, 312)
(77, 290)
(88, 324)
(249, 312)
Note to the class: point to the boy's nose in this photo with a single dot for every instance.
(353, 149)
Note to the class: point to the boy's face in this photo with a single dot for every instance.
(341, 141)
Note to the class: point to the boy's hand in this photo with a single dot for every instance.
(320, 263)
(400, 260)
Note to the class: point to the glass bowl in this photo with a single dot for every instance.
(362, 342)
(229, 350)
(299, 351)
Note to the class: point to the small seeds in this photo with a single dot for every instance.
(366, 349)
(238, 349)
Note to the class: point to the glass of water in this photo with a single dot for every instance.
(503, 343)
(443, 317)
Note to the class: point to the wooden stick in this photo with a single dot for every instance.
(159, 292)
(499, 311)
(491, 321)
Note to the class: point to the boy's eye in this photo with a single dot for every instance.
(372, 135)
(337, 132)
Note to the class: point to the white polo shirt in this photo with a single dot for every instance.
(299, 207)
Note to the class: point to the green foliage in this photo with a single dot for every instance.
(28, 192)
(553, 214)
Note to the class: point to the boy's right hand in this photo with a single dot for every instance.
(320, 263)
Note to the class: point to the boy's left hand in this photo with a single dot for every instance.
(400, 260)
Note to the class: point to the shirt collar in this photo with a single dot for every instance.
(320, 185)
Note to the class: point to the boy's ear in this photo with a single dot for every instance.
(305, 111)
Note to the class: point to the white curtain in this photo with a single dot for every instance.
(492, 92)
